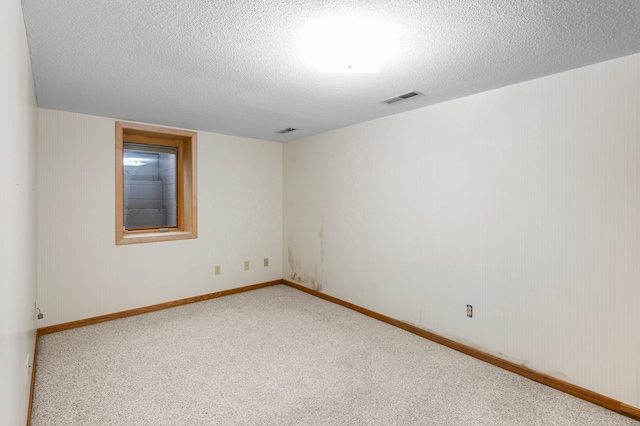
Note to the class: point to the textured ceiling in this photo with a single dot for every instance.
(237, 66)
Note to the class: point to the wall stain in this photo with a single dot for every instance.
(307, 276)
(521, 362)
(312, 275)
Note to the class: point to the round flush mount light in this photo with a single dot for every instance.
(347, 45)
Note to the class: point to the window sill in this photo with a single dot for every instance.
(152, 237)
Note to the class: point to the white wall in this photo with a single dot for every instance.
(18, 216)
(82, 273)
(523, 202)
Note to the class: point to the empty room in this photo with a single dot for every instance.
(293, 212)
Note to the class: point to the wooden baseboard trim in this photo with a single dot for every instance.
(553, 382)
(109, 317)
(630, 411)
(33, 378)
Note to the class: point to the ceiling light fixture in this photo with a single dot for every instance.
(347, 45)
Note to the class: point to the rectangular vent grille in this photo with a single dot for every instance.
(400, 97)
(287, 130)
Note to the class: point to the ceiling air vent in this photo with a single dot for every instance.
(285, 131)
(401, 97)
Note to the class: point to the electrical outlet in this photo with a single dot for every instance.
(217, 270)
(469, 311)
(246, 265)
(39, 314)
(266, 261)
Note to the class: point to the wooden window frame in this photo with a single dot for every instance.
(186, 182)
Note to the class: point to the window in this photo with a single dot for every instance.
(155, 184)
(150, 181)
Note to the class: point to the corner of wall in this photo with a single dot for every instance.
(18, 187)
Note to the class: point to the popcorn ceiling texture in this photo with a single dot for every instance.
(278, 356)
(237, 67)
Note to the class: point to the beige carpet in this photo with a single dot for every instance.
(278, 356)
